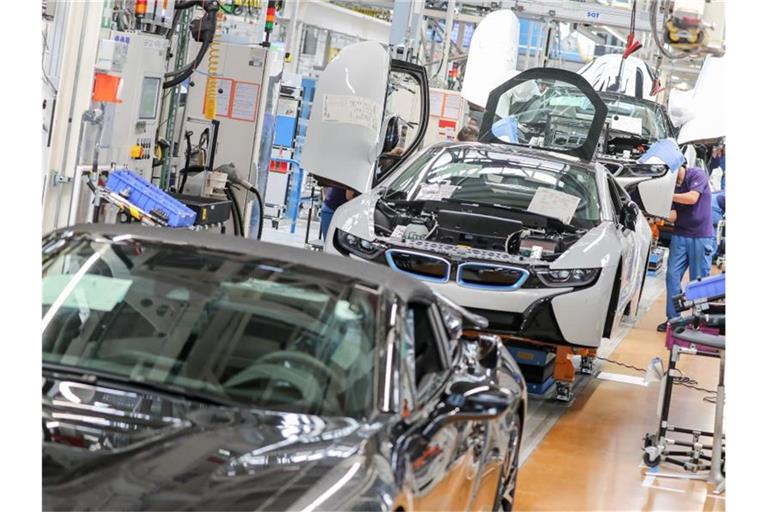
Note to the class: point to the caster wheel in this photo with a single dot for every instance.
(564, 392)
(651, 463)
(275, 224)
(587, 366)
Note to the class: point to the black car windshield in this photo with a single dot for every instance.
(643, 118)
(484, 174)
(255, 332)
(544, 113)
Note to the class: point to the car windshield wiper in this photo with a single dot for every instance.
(89, 376)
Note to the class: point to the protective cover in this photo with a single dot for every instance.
(492, 56)
(708, 119)
(345, 127)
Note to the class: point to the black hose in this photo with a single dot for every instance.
(187, 70)
(237, 218)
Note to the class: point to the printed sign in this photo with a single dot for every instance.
(345, 108)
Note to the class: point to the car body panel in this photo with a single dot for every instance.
(492, 58)
(344, 132)
(358, 117)
(630, 76)
(496, 97)
(707, 122)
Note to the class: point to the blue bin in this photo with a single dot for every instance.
(150, 198)
(708, 288)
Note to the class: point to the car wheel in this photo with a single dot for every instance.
(505, 491)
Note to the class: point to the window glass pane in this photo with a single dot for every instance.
(251, 331)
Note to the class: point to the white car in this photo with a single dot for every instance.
(524, 227)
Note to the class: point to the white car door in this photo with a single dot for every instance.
(632, 260)
(365, 104)
(651, 183)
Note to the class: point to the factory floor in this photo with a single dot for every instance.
(590, 459)
(587, 455)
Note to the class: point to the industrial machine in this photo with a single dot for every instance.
(173, 97)
(245, 80)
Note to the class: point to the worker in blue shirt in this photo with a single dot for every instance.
(691, 246)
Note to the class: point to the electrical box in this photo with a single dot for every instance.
(133, 64)
(247, 89)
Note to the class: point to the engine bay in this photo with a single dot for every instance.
(472, 226)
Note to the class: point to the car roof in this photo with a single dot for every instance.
(405, 287)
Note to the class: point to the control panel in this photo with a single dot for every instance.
(134, 63)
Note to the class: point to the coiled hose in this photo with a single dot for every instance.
(212, 85)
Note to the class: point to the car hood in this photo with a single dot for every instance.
(111, 449)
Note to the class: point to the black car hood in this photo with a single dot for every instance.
(109, 449)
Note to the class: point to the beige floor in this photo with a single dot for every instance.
(591, 459)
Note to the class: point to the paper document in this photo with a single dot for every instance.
(627, 124)
(345, 108)
(452, 106)
(222, 99)
(435, 103)
(554, 203)
(435, 191)
(245, 101)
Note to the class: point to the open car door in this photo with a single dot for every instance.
(548, 109)
(369, 114)
(651, 183)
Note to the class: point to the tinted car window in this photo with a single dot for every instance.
(250, 331)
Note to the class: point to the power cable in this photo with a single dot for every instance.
(680, 379)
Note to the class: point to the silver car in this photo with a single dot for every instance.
(524, 226)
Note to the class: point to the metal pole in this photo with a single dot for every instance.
(170, 129)
(447, 34)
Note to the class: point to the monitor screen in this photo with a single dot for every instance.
(150, 89)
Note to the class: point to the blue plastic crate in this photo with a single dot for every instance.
(708, 288)
(150, 198)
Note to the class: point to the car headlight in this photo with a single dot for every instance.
(568, 277)
(347, 243)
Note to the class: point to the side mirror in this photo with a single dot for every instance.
(483, 350)
(392, 134)
(630, 212)
(470, 401)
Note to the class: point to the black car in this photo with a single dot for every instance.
(184, 371)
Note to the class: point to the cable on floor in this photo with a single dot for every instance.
(680, 379)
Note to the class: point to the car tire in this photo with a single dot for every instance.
(505, 489)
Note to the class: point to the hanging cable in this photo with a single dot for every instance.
(203, 30)
(212, 82)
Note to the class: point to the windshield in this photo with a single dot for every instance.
(545, 113)
(256, 332)
(637, 117)
(490, 176)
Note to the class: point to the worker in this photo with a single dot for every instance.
(691, 246)
(334, 197)
(467, 134)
